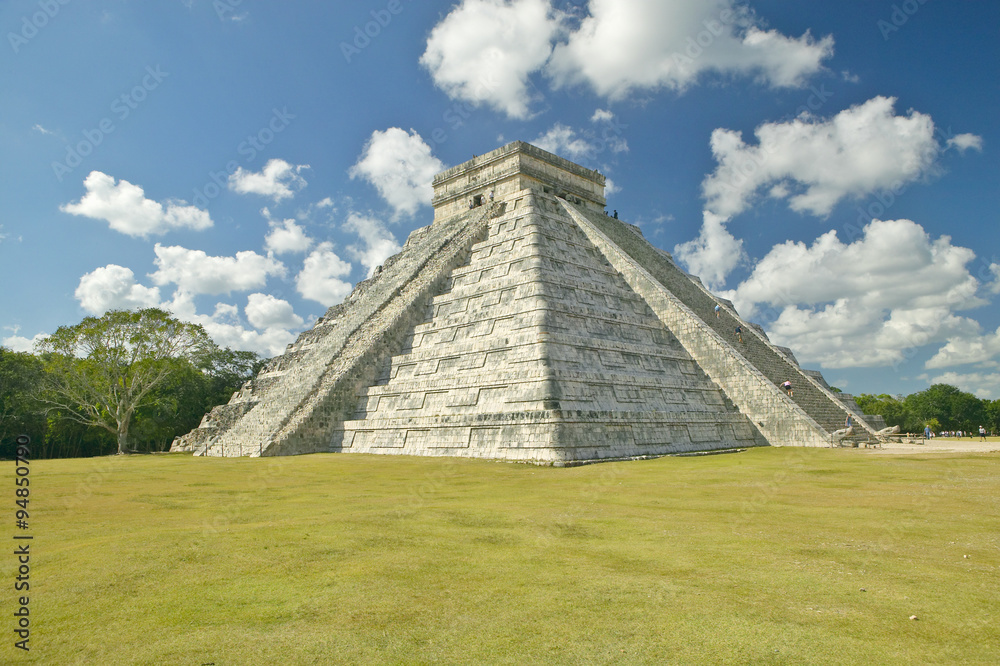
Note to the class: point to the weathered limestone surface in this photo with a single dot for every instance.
(538, 350)
(750, 372)
(515, 167)
(779, 419)
(306, 385)
(524, 324)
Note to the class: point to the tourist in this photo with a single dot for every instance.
(739, 333)
(788, 389)
(718, 310)
(982, 434)
(927, 432)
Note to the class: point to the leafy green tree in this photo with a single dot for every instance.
(228, 371)
(175, 407)
(101, 371)
(20, 378)
(992, 416)
(891, 408)
(179, 403)
(68, 438)
(954, 409)
(933, 403)
(967, 411)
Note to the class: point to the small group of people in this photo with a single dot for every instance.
(929, 434)
(478, 200)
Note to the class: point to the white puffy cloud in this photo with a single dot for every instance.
(401, 168)
(894, 262)
(226, 329)
(565, 142)
(270, 342)
(19, 343)
(266, 311)
(602, 115)
(964, 142)
(967, 349)
(377, 242)
(994, 287)
(278, 180)
(113, 287)
(871, 302)
(985, 385)
(484, 51)
(125, 208)
(320, 280)
(579, 146)
(714, 254)
(285, 236)
(195, 272)
(816, 163)
(650, 44)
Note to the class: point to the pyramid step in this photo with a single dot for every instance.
(528, 328)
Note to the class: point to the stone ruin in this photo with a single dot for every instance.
(525, 324)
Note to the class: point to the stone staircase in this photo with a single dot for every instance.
(818, 402)
(538, 350)
(317, 382)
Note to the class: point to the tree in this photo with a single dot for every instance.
(102, 370)
(954, 409)
(933, 403)
(891, 408)
(20, 378)
(179, 403)
(228, 370)
(993, 416)
(174, 407)
(967, 411)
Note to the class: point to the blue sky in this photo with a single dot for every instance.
(831, 167)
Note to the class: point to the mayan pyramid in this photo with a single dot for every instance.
(526, 324)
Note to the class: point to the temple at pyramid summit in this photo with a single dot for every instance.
(526, 324)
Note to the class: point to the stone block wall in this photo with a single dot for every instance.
(534, 328)
(781, 421)
(538, 350)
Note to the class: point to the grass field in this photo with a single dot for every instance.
(773, 556)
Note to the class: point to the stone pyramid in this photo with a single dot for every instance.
(526, 324)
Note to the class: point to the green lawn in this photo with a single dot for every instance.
(769, 556)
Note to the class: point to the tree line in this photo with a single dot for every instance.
(133, 380)
(126, 382)
(941, 407)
